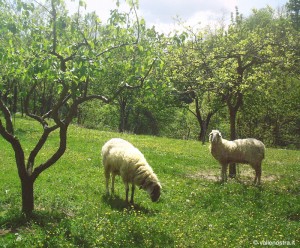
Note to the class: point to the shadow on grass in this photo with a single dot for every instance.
(49, 221)
(117, 203)
(14, 220)
(294, 217)
(157, 238)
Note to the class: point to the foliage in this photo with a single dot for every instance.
(191, 73)
(233, 67)
(278, 124)
(199, 69)
(66, 55)
(293, 7)
(53, 61)
(194, 210)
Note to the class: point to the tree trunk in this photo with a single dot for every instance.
(232, 113)
(123, 121)
(202, 134)
(15, 100)
(27, 196)
(152, 121)
(204, 125)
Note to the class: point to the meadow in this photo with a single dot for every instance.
(195, 210)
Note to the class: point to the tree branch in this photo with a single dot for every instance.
(7, 117)
(114, 47)
(125, 44)
(56, 156)
(38, 147)
(53, 13)
(19, 153)
(40, 119)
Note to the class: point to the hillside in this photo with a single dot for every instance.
(194, 210)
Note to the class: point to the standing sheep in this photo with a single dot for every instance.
(246, 151)
(122, 158)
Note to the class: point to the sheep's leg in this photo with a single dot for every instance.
(113, 183)
(224, 172)
(132, 193)
(257, 174)
(127, 191)
(107, 177)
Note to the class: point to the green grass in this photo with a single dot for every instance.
(71, 209)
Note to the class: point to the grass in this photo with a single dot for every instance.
(71, 209)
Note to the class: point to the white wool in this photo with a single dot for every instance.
(248, 151)
(121, 158)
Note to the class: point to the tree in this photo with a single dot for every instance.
(242, 55)
(293, 7)
(129, 64)
(191, 73)
(46, 48)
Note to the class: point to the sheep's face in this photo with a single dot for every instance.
(154, 192)
(215, 136)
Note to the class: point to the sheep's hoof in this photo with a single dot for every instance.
(129, 204)
(257, 184)
(222, 181)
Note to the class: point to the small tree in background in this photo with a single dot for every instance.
(191, 73)
(44, 48)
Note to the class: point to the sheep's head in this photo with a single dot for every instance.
(154, 191)
(215, 136)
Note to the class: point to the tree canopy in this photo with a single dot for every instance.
(242, 78)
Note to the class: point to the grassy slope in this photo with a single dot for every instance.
(194, 210)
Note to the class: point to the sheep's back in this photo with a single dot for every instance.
(121, 157)
(238, 151)
(248, 150)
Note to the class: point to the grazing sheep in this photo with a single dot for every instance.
(246, 151)
(122, 158)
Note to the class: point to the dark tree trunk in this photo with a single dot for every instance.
(122, 124)
(15, 100)
(27, 196)
(203, 123)
(153, 125)
(234, 102)
(34, 103)
(203, 130)
(232, 112)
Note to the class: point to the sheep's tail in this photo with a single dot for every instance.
(263, 151)
(104, 152)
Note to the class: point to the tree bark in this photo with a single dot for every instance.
(203, 129)
(203, 122)
(234, 102)
(232, 113)
(27, 196)
(123, 115)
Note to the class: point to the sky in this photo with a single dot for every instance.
(162, 13)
